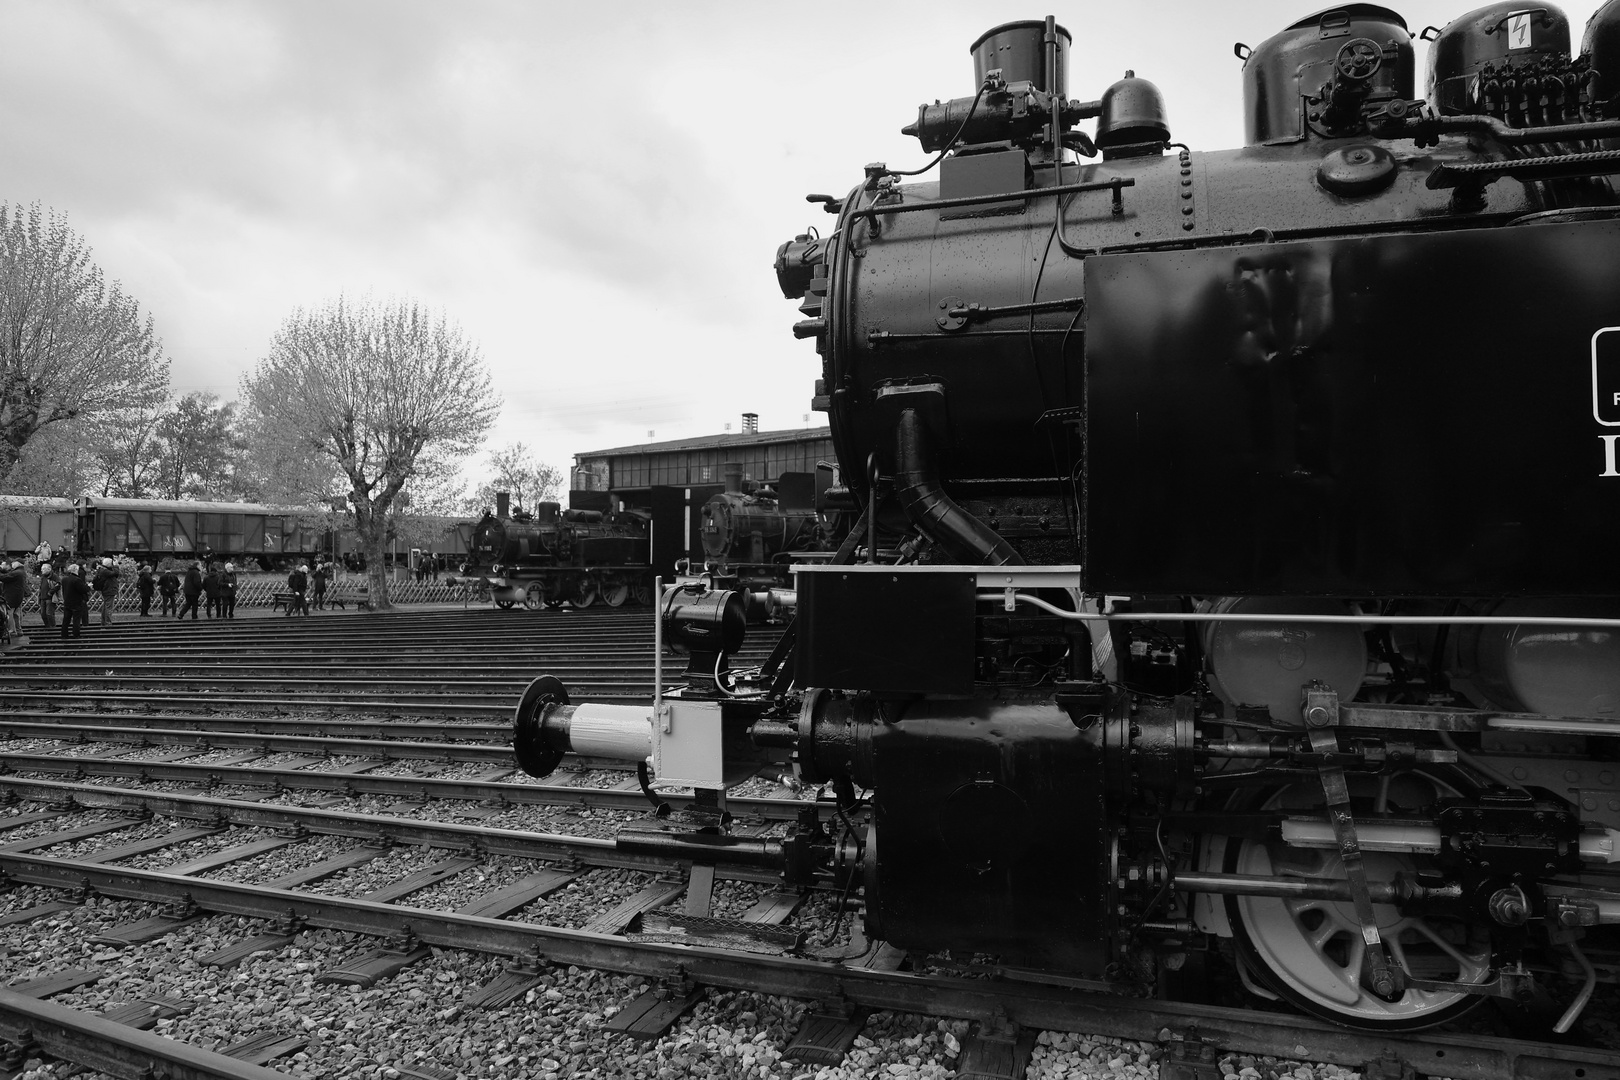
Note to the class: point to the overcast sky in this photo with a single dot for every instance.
(595, 192)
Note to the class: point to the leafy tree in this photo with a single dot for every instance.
(199, 449)
(520, 472)
(388, 392)
(72, 346)
(60, 462)
(281, 470)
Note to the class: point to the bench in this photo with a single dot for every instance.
(359, 596)
(284, 600)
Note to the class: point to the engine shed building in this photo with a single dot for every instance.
(627, 474)
(672, 480)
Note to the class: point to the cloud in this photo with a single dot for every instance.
(595, 193)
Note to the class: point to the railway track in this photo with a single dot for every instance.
(290, 841)
(443, 663)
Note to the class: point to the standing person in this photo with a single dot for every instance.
(318, 585)
(211, 592)
(13, 587)
(49, 586)
(145, 586)
(169, 588)
(75, 602)
(106, 583)
(193, 590)
(227, 592)
(297, 582)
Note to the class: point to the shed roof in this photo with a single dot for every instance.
(711, 442)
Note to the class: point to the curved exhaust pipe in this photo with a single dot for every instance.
(969, 540)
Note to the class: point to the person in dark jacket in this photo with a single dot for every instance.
(169, 588)
(318, 577)
(106, 583)
(193, 589)
(75, 602)
(13, 587)
(297, 583)
(227, 592)
(49, 585)
(145, 586)
(211, 605)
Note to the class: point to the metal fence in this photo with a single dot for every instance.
(260, 590)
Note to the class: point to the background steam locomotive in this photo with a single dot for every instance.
(553, 556)
(746, 535)
(1256, 589)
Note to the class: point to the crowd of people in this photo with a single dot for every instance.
(182, 589)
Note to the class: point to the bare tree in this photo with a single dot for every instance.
(71, 345)
(129, 452)
(387, 391)
(518, 471)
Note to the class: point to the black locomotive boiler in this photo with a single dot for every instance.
(1259, 595)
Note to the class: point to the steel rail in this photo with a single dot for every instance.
(484, 731)
(215, 701)
(166, 664)
(432, 787)
(1038, 1006)
(374, 828)
(293, 683)
(113, 1048)
(397, 749)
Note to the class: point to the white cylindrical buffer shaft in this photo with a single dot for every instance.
(621, 732)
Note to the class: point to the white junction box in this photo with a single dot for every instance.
(687, 745)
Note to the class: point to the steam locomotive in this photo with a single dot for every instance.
(555, 556)
(751, 536)
(1257, 597)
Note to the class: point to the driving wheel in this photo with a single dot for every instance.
(585, 592)
(1310, 951)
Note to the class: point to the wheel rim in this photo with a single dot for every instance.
(585, 594)
(534, 597)
(641, 594)
(1311, 950)
(615, 593)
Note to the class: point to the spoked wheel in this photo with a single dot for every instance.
(585, 593)
(534, 597)
(641, 594)
(1310, 951)
(615, 593)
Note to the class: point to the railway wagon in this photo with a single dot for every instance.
(267, 534)
(26, 521)
(161, 527)
(1259, 605)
